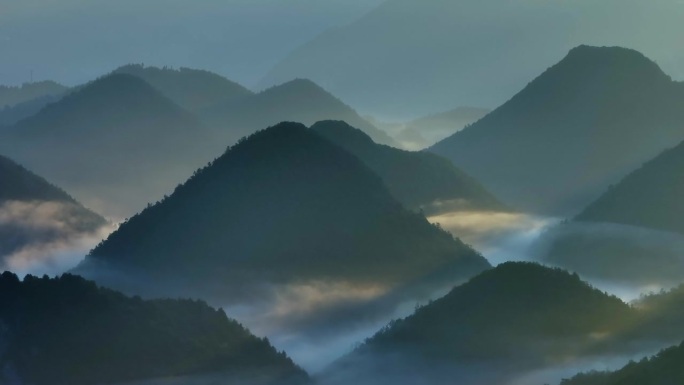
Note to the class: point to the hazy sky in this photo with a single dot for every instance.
(409, 57)
(75, 40)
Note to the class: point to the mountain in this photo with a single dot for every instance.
(580, 126)
(38, 219)
(634, 232)
(11, 115)
(115, 143)
(194, 90)
(419, 180)
(283, 205)
(426, 131)
(513, 318)
(665, 368)
(11, 96)
(408, 58)
(297, 101)
(66, 330)
(648, 197)
(20, 184)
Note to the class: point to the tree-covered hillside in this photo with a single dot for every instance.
(68, 331)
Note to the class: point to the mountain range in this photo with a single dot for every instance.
(424, 132)
(634, 231)
(38, 219)
(138, 144)
(504, 322)
(410, 58)
(68, 331)
(11, 96)
(577, 128)
(299, 100)
(648, 197)
(283, 205)
(419, 180)
(507, 322)
(194, 90)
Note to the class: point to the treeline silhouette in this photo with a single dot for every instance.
(66, 330)
(665, 368)
(11, 96)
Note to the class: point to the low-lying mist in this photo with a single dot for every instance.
(46, 237)
(616, 253)
(626, 261)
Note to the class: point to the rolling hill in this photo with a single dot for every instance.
(505, 321)
(580, 126)
(634, 232)
(299, 100)
(23, 110)
(115, 144)
(648, 197)
(284, 205)
(68, 331)
(11, 96)
(665, 368)
(419, 180)
(194, 90)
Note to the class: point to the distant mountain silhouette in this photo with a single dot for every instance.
(665, 368)
(299, 100)
(20, 184)
(507, 320)
(11, 96)
(115, 143)
(66, 330)
(281, 206)
(581, 125)
(194, 90)
(419, 180)
(634, 231)
(423, 132)
(20, 111)
(33, 213)
(407, 58)
(648, 197)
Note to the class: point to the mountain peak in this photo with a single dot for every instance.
(302, 88)
(195, 90)
(316, 208)
(577, 127)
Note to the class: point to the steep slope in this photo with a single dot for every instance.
(283, 205)
(665, 368)
(296, 101)
(194, 90)
(648, 197)
(38, 219)
(581, 125)
(513, 318)
(634, 232)
(423, 132)
(11, 96)
(408, 58)
(66, 330)
(115, 143)
(21, 184)
(418, 180)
